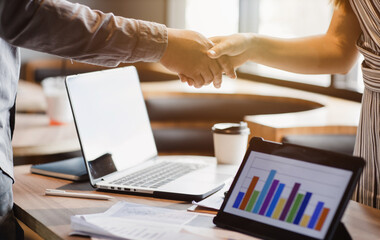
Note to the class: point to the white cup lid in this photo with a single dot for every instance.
(231, 128)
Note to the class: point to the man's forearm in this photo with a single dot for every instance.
(77, 32)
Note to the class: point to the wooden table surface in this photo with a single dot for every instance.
(49, 216)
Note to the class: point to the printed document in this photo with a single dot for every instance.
(134, 221)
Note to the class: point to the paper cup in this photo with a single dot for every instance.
(58, 107)
(230, 142)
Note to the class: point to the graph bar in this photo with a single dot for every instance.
(315, 215)
(238, 200)
(275, 200)
(248, 194)
(279, 208)
(269, 196)
(264, 191)
(305, 220)
(301, 211)
(294, 208)
(252, 201)
(322, 219)
(290, 201)
(272, 192)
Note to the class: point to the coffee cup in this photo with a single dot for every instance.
(58, 107)
(230, 142)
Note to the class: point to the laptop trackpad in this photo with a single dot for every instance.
(198, 182)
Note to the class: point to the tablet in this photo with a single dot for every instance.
(285, 191)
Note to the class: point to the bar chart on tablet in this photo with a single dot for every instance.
(289, 191)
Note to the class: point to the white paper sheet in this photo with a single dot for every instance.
(134, 221)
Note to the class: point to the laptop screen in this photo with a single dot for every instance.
(111, 119)
(295, 195)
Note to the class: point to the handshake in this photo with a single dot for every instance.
(200, 61)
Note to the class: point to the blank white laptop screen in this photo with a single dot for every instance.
(113, 136)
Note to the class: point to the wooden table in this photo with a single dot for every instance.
(50, 216)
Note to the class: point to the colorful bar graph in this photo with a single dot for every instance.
(238, 199)
(290, 208)
(290, 201)
(302, 208)
(269, 197)
(264, 191)
(322, 219)
(248, 194)
(275, 200)
(294, 208)
(305, 220)
(252, 201)
(315, 215)
(279, 208)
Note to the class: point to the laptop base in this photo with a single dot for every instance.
(167, 195)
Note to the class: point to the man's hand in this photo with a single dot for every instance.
(186, 55)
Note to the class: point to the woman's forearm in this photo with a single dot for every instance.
(333, 52)
(312, 55)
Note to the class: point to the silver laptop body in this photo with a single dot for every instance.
(118, 145)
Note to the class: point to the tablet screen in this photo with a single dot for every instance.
(294, 195)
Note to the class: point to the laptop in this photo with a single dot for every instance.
(285, 191)
(118, 146)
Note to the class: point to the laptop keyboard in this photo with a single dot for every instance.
(158, 174)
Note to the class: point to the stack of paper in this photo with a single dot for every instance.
(134, 221)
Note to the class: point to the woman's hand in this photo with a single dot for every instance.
(233, 50)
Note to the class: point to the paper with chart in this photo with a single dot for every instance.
(133, 221)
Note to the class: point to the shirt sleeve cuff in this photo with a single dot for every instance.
(152, 42)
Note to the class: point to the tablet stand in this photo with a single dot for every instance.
(341, 233)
